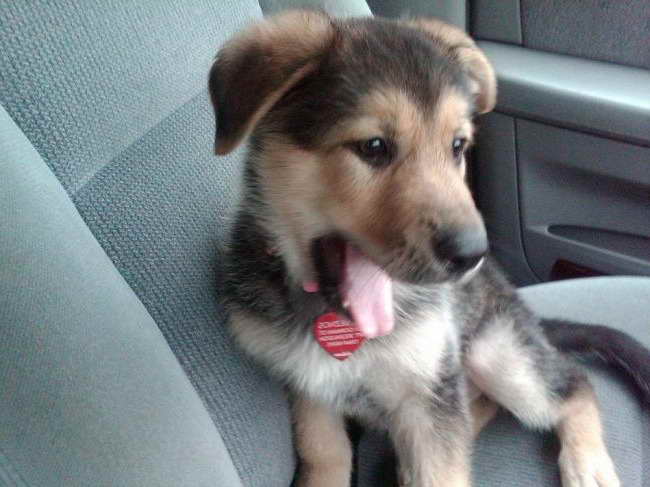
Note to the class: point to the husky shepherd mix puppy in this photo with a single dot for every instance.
(356, 204)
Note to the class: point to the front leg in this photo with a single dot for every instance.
(483, 411)
(584, 460)
(323, 445)
(516, 367)
(432, 437)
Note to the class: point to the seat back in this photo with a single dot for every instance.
(112, 96)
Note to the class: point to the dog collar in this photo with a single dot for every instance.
(337, 335)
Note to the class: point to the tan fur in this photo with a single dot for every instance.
(482, 73)
(323, 445)
(424, 180)
(312, 190)
(385, 112)
(296, 34)
(499, 366)
(468, 54)
(584, 457)
(291, 184)
(412, 354)
(226, 145)
(483, 411)
(331, 183)
(309, 192)
(383, 108)
(436, 463)
(289, 43)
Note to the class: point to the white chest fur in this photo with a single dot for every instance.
(390, 368)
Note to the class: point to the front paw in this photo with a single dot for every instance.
(323, 477)
(404, 477)
(587, 468)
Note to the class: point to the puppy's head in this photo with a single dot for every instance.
(360, 130)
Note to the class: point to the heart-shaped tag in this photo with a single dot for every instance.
(337, 335)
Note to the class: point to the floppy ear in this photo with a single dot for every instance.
(259, 65)
(461, 47)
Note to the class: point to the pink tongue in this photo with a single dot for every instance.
(368, 291)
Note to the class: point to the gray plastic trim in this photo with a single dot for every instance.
(597, 97)
(584, 199)
(635, 246)
(452, 11)
(496, 193)
(340, 8)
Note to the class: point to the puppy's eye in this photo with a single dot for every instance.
(375, 151)
(458, 146)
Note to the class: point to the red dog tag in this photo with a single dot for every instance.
(338, 336)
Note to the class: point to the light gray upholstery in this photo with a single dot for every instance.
(622, 302)
(339, 8)
(113, 96)
(507, 455)
(85, 81)
(90, 393)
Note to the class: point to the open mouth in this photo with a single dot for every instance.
(353, 285)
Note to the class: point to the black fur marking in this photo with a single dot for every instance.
(360, 402)
(450, 405)
(448, 394)
(380, 54)
(328, 256)
(257, 281)
(609, 345)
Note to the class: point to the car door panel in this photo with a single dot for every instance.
(562, 167)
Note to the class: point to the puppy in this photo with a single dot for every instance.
(357, 270)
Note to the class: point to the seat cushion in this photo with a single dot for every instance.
(508, 455)
(90, 392)
(621, 302)
(113, 97)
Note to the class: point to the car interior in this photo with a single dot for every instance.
(116, 368)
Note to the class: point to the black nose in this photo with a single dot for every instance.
(462, 248)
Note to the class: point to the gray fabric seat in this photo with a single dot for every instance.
(91, 392)
(113, 97)
(115, 367)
